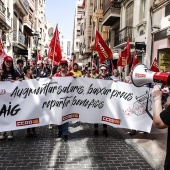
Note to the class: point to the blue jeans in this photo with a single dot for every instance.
(63, 128)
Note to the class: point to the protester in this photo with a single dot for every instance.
(88, 73)
(76, 71)
(63, 129)
(116, 76)
(103, 75)
(161, 117)
(94, 74)
(40, 71)
(28, 71)
(8, 73)
(19, 68)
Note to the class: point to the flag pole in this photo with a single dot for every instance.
(54, 49)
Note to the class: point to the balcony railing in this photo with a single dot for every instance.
(25, 4)
(123, 35)
(111, 4)
(2, 7)
(19, 37)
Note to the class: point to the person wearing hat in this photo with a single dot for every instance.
(63, 129)
(103, 75)
(8, 73)
(76, 70)
(19, 68)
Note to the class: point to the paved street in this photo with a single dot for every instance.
(82, 151)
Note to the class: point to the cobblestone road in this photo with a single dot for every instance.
(81, 152)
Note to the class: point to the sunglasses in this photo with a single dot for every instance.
(103, 70)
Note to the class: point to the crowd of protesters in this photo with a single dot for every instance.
(44, 69)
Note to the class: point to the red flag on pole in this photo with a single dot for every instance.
(101, 47)
(2, 53)
(128, 53)
(54, 51)
(135, 60)
(125, 56)
(154, 66)
(39, 57)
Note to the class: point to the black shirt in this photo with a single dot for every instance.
(165, 116)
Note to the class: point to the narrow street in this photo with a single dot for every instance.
(81, 152)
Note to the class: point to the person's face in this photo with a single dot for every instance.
(93, 70)
(103, 71)
(75, 67)
(115, 73)
(88, 72)
(30, 71)
(20, 65)
(63, 67)
(8, 64)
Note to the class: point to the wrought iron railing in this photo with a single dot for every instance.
(25, 4)
(2, 7)
(19, 37)
(123, 35)
(111, 4)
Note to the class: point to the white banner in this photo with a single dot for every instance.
(33, 103)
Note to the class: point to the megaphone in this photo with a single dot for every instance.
(141, 75)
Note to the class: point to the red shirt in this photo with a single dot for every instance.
(67, 75)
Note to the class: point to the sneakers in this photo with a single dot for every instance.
(59, 134)
(105, 134)
(65, 138)
(95, 133)
(10, 135)
(2, 135)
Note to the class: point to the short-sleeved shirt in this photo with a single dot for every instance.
(77, 73)
(67, 75)
(165, 116)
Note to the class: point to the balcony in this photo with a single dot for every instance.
(19, 37)
(2, 11)
(111, 13)
(23, 5)
(28, 24)
(123, 35)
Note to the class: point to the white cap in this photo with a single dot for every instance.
(39, 62)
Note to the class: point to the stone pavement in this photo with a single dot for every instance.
(81, 152)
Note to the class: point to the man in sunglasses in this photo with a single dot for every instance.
(102, 75)
(63, 129)
(161, 117)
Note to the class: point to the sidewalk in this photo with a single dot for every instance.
(151, 146)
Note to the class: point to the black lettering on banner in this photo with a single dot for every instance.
(53, 103)
(86, 103)
(98, 90)
(124, 95)
(9, 110)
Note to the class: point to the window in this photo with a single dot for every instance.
(101, 4)
(143, 10)
(129, 14)
(100, 25)
(167, 10)
(77, 44)
(95, 5)
(90, 19)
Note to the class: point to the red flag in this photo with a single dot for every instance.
(154, 66)
(135, 61)
(39, 57)
(54, 51)
(2, 53)
(101, 47)
(125, 56)
(128, 53)
(122, 59)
